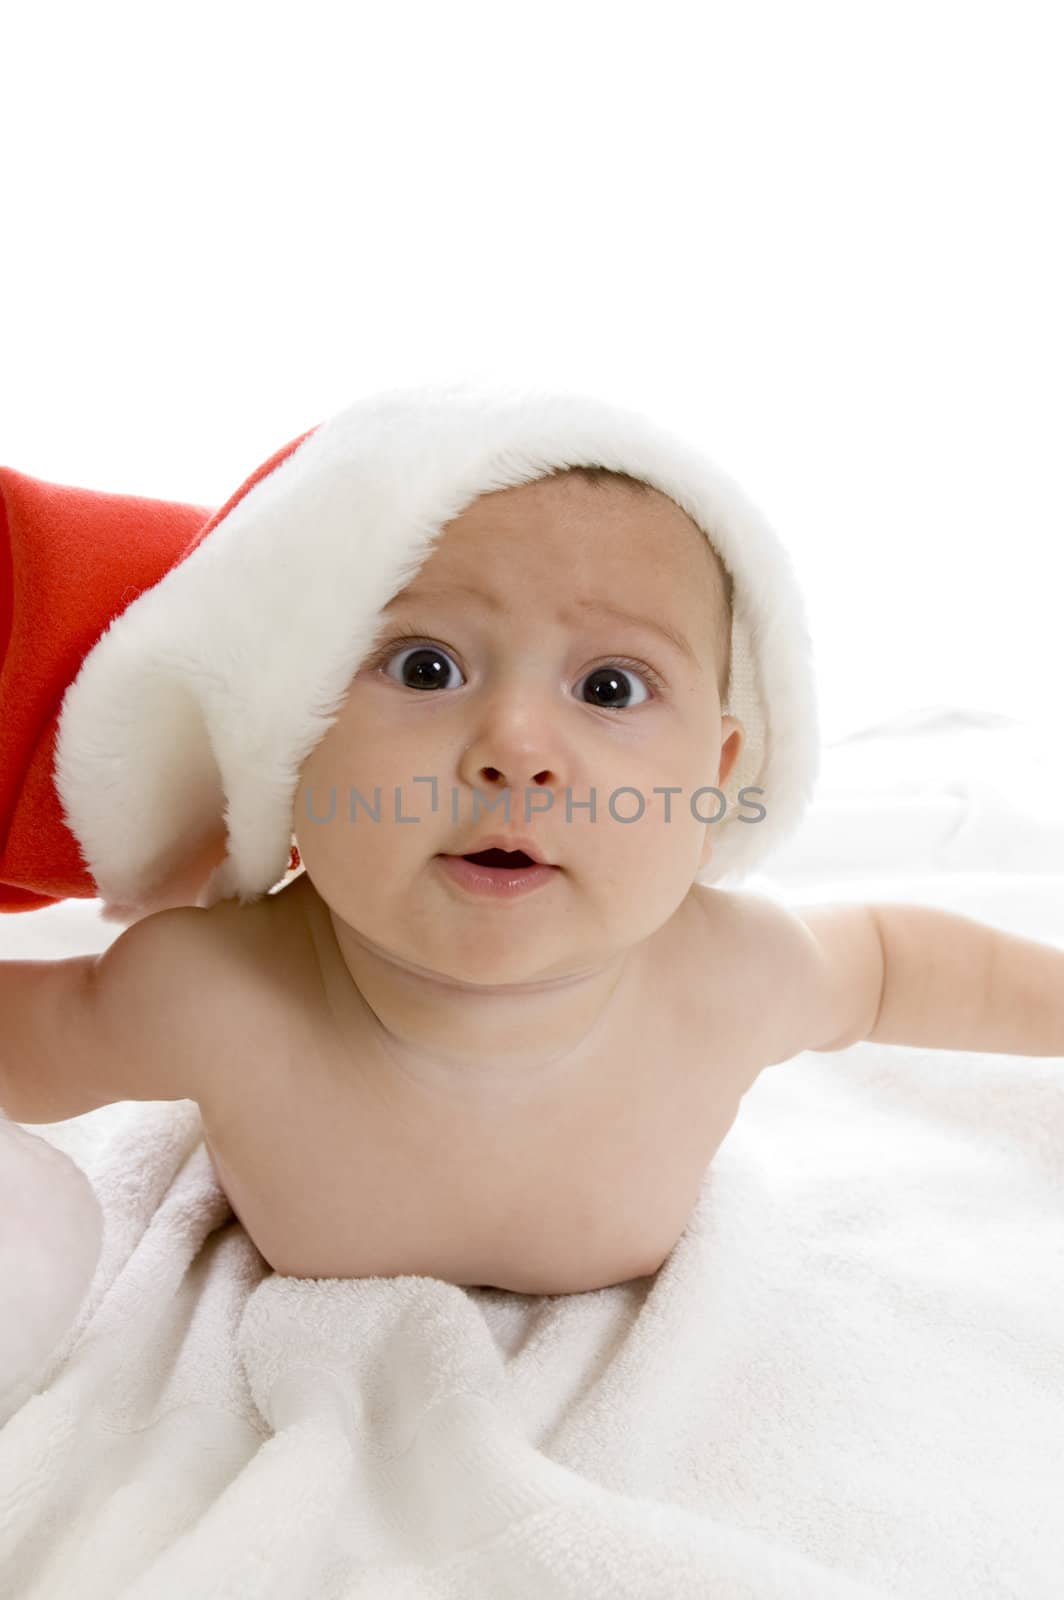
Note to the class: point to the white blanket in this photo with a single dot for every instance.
(847, 1380)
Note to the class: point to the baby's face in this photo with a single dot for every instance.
(496, 670)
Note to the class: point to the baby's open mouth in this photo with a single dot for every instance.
(500, 858)
(496, 871)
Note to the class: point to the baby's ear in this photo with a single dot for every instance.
(733, 737)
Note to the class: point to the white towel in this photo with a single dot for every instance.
(846, 1381)
(49, 1215)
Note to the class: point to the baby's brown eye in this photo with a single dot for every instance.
(425, 667)
(609, 687)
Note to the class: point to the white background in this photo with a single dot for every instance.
(825, 239)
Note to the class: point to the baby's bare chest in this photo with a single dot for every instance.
(338, 1167)
(336, 1173)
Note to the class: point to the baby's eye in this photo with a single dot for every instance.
(425, 667)
(610, 686)
(419, 664)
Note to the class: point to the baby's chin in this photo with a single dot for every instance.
(417, 924)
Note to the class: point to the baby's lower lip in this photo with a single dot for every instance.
(506, 883)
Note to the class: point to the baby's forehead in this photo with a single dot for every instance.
(579, 508)
(608, 537)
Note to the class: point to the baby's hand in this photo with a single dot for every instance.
(51, 1229)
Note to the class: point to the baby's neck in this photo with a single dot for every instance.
(478, 1038)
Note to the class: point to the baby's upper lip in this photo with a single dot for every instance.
(496, 841)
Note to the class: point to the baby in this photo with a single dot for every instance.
(495, 1031)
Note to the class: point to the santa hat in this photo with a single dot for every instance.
(165, 671)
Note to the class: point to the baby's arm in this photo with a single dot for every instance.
(80, 1033)
(953, 983)
(904, 974)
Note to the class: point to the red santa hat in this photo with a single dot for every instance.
(165, 670)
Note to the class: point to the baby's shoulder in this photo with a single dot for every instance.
(751, 921)
(220, 990)
(260, 962)
(721, 940)
(728, 922)
(764, 963)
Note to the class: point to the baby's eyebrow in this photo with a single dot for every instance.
(590, 606)
(672, 635)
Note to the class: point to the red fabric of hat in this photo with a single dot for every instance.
(71, 560)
